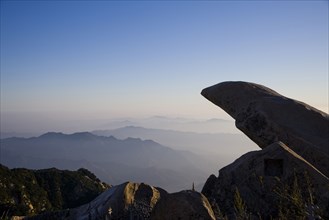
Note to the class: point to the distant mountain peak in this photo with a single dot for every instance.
(132, 126)
(83, 135)
(132, 139)
(217, 120)
(80, 135)
(52, 135)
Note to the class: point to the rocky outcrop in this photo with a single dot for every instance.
(289, 176)
(125, 201)
(265, 117)
(184, 205)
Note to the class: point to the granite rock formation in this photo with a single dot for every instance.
(294, 160)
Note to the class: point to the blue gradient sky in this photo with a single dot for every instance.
(101, 59)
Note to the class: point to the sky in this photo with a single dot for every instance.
(85, 60)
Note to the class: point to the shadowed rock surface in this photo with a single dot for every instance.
(262, 176)
(265, 117)
(183, 205)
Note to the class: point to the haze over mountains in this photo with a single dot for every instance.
(212, 145)
(167, 158)
(13, 125)
(112, 160)
(212, 125)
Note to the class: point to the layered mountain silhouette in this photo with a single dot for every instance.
(111, 159)
(207, 144)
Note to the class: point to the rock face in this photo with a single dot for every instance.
(184, 205)
(265, 117)
(289, 176)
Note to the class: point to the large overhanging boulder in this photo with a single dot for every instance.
(266, 117)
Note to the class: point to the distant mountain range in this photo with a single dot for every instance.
(212, 125)
(219, 148)
(111, 159)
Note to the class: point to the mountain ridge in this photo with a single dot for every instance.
(214, 145)
(132, 158)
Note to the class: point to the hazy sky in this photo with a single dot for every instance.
(102, 59)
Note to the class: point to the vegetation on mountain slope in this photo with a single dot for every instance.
(28, 192)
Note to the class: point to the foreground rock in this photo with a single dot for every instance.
(125, 201)
(266, 178)
(138, 201)
(265, 117)
(184, 205)
(288, 178)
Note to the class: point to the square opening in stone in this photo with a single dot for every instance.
(273, 167)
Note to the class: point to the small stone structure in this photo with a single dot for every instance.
(273, 167)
